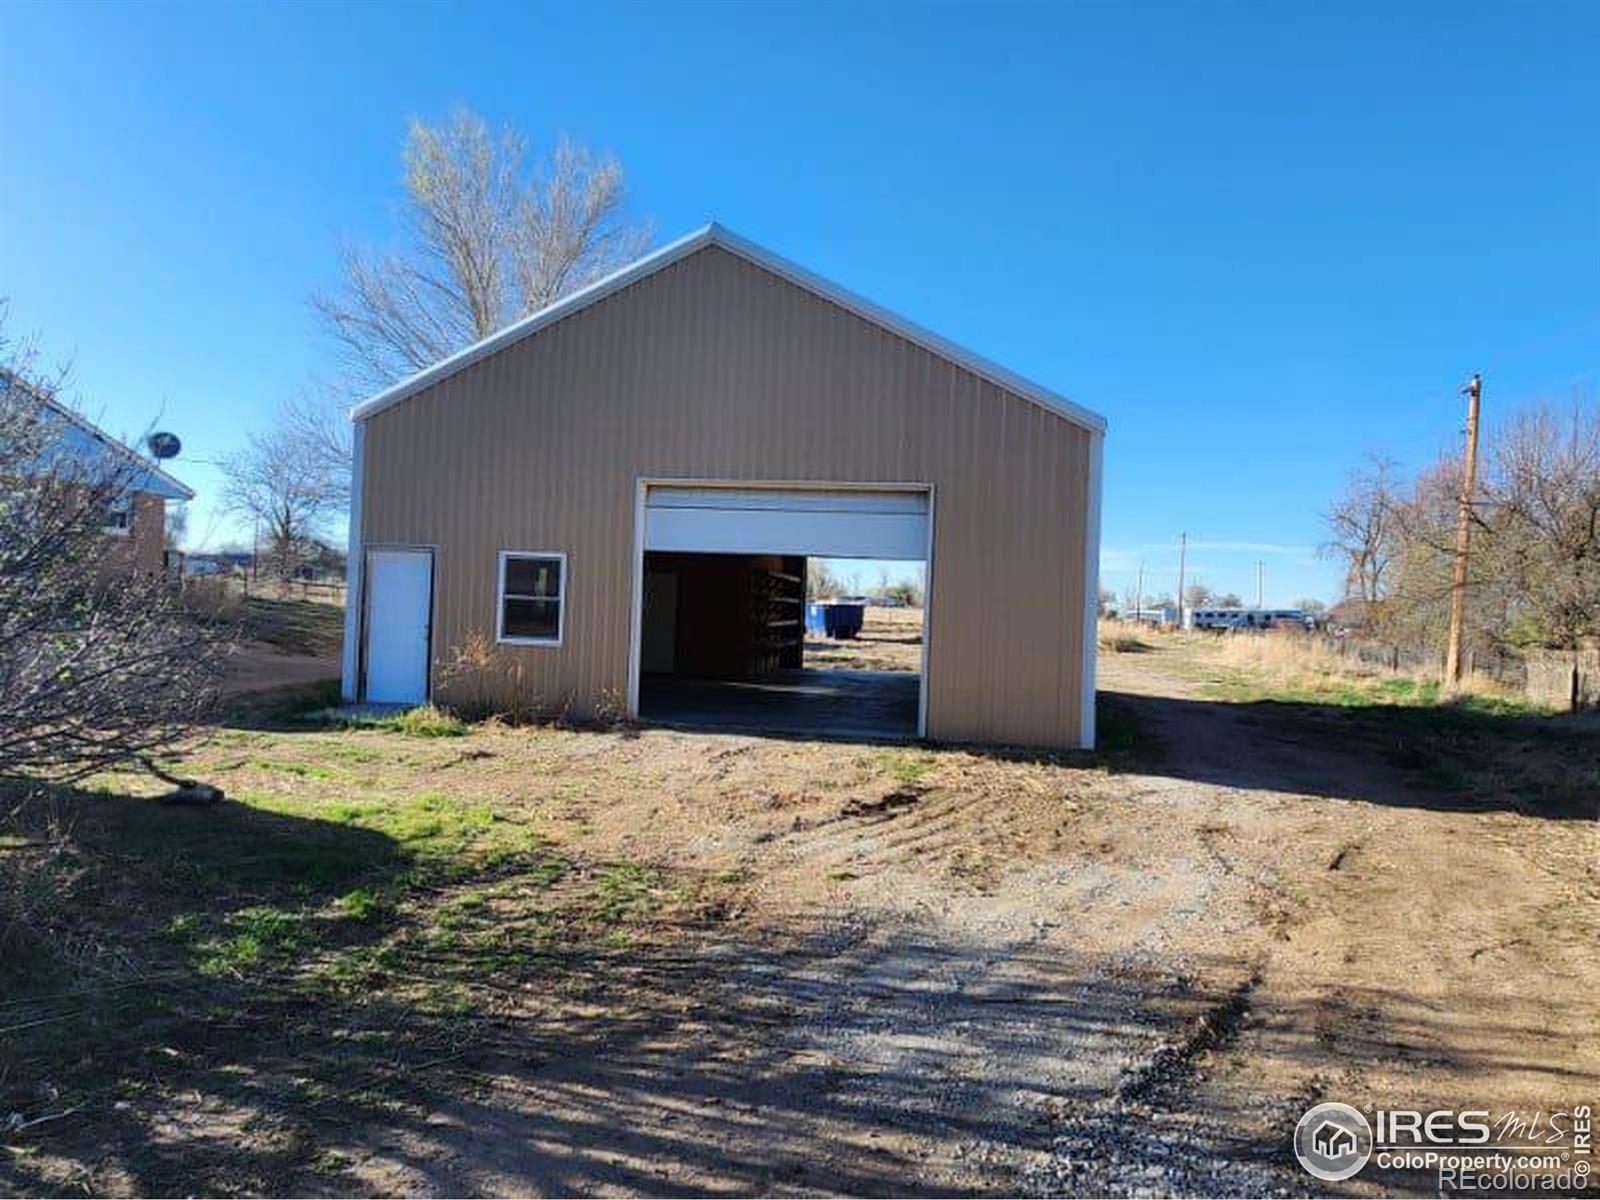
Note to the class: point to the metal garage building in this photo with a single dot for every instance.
(718, 409)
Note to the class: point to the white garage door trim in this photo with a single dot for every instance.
(815, 519)
(858, 522)
(397, 626)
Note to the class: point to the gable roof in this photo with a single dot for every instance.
(82, 438)
(716, 235)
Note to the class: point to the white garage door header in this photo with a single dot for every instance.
(816, 522)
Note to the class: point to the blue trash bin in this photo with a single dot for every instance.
(816, 618)
(844, 620)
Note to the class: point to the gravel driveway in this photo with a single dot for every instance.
(910, 970)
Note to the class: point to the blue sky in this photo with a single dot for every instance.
(1262, 239)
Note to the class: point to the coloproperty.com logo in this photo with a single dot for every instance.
(1333, 1141)
(1470, 1149)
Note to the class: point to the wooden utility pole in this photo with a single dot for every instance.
(1138, 597)
(1259, 592)
(1183, 551)
(1458, 575)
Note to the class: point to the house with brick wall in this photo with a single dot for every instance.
(136, 519)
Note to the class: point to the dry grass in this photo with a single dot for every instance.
(1120, 637)
(1286, 664)
(293, 624)
(890, 640)
(213, 598)
(1285, 653)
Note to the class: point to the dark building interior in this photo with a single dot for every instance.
(722, 645)
(722, 616)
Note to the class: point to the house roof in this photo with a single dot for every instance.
(716, 235)
(83, 437)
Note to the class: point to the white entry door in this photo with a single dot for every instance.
(399, 613)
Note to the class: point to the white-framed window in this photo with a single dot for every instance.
(119, 517)
(532, 597)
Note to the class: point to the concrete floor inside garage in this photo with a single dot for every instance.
(866, 705)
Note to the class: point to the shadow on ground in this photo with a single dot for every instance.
(809, 703)
(204, 1040)
(811, 1063)
(530, 1041)
(1443, 758)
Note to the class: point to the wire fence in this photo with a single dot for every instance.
(1564, 680)
(319, 591)
(1509, 670)
(262, 587)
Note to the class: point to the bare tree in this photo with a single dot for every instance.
(821, 583)
(1534, 573)
(287, 491)
(1542, 507)
(907, 589)
(100, 666)
(570, 225)
(315, 426)
(1413, 604)
(484, 242)
(1229, 600)
(1362, 525)
(1197, 595)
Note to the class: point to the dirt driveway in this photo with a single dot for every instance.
(904, 971)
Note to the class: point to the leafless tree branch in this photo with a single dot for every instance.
(484, 243)
(100, 666)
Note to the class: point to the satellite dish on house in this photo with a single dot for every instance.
(164, 445)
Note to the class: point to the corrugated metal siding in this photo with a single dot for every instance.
(714, 368)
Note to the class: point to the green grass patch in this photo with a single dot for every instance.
(1361, 691)
(250, 938)
(296, 704)
(625, 892)
(902, 766)
(426, 721)
(429, 830)
(544, 874)
(301, 769)
(433, 823)
(363, 904)
(423, 721)
(347, 908)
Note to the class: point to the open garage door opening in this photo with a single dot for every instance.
(784, 610)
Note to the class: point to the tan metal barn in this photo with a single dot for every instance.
(717, 409)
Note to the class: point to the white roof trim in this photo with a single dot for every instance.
(716, 235)
(181, 490)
